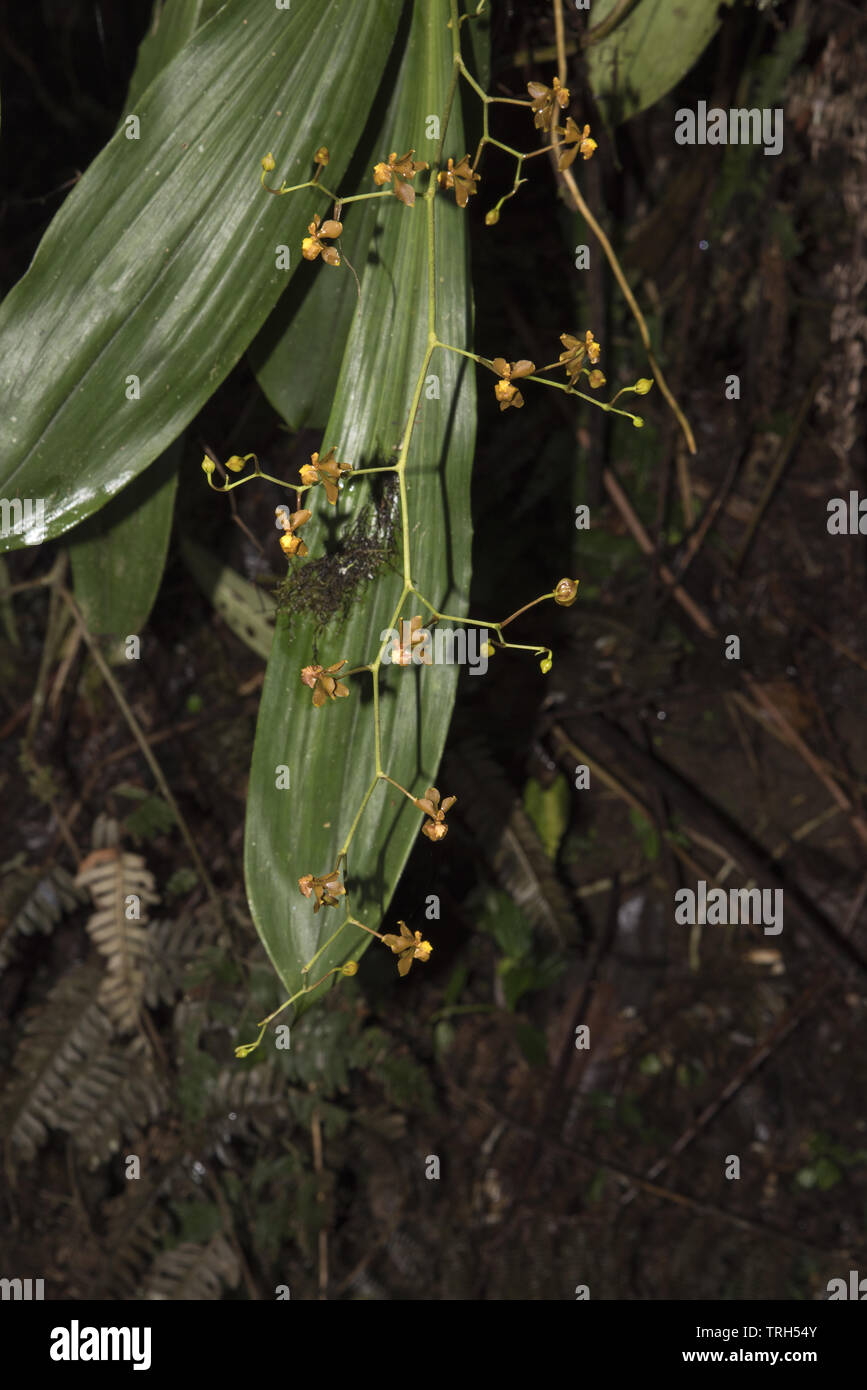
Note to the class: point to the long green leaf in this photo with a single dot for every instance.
(296, 363)
(174, 22)
(330, 751)
(648, 54)
(118, 555)
(161, 264)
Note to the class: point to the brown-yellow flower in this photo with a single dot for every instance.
(399, 172)
(435, 828)
(462, 178)
(327, 888)
(290, 543)
(413, 642)
(322, 682)
(314, 245)
(326, 471)
(575, 353)
(576, 142)
(544, 100)
(407, 947)
(505, 392)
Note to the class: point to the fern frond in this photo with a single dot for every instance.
(68, 1029)
(135, 1229)
(193, 1271)
(175, 946)
(46, 902)
(111, 1099)
(119, 883)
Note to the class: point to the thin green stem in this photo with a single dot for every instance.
(519, 611)
(355, 922)
(246, 1048)
(367, 795)
(251, 477)
(407, 437)
(468, 77)
(452, 617)
(324, 947)
(377, 727)
(363, 197)
(525, 647)
(385, 778)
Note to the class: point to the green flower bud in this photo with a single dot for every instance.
(545, 665)
(642, 386)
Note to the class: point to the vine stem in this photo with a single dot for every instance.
(409, 796)
(581, 207)
(560, 41)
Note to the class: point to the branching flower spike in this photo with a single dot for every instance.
(566, 139)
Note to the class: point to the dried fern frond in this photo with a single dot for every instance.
(193, 1271)
(122, 889)
(46, 902)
